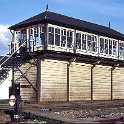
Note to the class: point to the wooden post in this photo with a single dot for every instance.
(46, 37)
(112, 82)
(68, 65)
(92, 82)
(38, 82)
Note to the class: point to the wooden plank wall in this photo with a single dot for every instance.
(53, 80)
(26, 91)
(118, 83)
(102, 83)
(79, 82)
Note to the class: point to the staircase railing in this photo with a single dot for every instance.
(5, 69)
(12, 54)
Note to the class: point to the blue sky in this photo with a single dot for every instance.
(96, 11)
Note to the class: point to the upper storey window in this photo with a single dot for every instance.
(36, 34)
(18, 36)
(31, 32)
(51, 35)
(78, 40)
(102, 46)
(36, 31)
(69, 39)
(42, 34)
(121, 48)
(114, 47)
(57, 36)
(106, 46)
(110, 47)
(84, 37)
(22, 36)
(92, 43)
(63, 38)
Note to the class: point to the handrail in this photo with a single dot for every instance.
(5, 56)
(12, 54)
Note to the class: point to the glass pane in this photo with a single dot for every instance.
(69, 39)
(63, 38)
(83, 41)
(51, 39)
(121, 49)
(78, 40)
(42, 38)
(18, 34)
(42, 29)
(35, 31)
(57, 40)
(106, 46)
(101, 45)
(57, 37)
(31, 34)
(51, 36)
(89, 43)
(51, 30)
(94, 44)
(114, 47)
(23, 36)
(110, 47)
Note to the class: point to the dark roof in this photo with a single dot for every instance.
(54, 18)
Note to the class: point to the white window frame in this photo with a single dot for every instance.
(38, 46)
(92, 52)
(120, 57)
(81, 40)
(73, 39)
(57, 27)
(115, 56)
(59, 48)
(65, 36)
(108, 55)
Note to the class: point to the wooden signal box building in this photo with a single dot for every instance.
(73, 60)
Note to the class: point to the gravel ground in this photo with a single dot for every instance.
(4, 118)
(94, 115)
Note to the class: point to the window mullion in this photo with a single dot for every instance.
(54, 36)
(60, 37)
(81, 41)
(86, 43)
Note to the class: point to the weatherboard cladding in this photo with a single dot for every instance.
(58, 19)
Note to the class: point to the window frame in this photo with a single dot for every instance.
(92, 35)
(59, 34)
(120, 56)
(72, 31)
(52, 34)
(78, 32)
(108, 55)
(62, 34)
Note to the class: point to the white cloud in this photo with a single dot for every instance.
(4, 87)
(5, 38)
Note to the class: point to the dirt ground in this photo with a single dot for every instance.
(4, 117)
